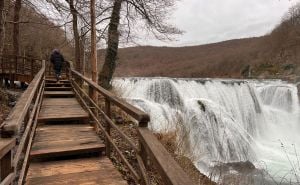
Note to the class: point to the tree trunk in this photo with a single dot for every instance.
(1, 24)
(82, 52)
(105, 76)
(76, 35)
(93, 47)
(16, 30)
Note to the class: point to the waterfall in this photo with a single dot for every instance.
(224, 121)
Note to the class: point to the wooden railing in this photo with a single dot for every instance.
(19, 65)
(147, 150)
(17, 131)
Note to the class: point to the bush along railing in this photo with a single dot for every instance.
(17, 132)
(147, 150)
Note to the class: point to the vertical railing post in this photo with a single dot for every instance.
(23, 65)
(6, 167)
(1, 66)
(16, 64)
(31, 68)
(107, 128)
(143, 151)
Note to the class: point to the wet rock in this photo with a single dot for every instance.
(12, 104)
(202, 106)
(118, 120)
(241, 167)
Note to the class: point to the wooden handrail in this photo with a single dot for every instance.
(22, 114)
(19, 56)
(136, 113)
(150, 147)
(12, 124)
(168, 168)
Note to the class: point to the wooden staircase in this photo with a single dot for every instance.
(66, 149)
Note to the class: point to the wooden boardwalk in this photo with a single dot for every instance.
(66, 149)
(47, 138)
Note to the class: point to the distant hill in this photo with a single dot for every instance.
(273, 55)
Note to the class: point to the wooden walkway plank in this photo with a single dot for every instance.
(55, 109)
(58, 88)
(59, 94)
(66, 147)
(57, 85)
(89, 171)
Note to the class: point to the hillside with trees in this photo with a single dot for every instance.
(273, 55)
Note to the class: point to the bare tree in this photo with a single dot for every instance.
(109, 65)
(76, 34)
(1, 23)
(16, 30)
(153, 13)
(93, 45)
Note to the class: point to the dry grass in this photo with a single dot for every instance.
(169, 141)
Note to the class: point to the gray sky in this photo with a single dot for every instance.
(208, 21)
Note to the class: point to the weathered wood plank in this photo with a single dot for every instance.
(57, 85)
(60, 101)
(58, 89)
(59, 94)
(76, 171)
(6, 145)
(61, 109)
(66, 150)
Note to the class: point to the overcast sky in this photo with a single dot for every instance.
(208, 21)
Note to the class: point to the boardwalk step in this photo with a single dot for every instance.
(58, 88)
(57, 84)
(62, 140)
(62, 109)
(58, 94)
(53, 80)
(60, 151)
(96, 170)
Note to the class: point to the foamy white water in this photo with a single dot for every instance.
(225, 120)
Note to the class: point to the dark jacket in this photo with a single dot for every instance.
(57, 60)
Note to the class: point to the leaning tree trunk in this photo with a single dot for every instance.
(76, 35)
(1, 24)
(93, 48)
(16, 36)
(105, 76)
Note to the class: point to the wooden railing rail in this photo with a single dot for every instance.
(13, 138)
(20, 112)
(21, 65)
(148, 148)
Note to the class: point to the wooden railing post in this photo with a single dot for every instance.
(6, 168)
(143, 151)
(107, 128)
(31, 68)
(16, 64)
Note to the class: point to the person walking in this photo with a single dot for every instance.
(57, 60)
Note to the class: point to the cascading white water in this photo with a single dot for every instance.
(225, 120)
